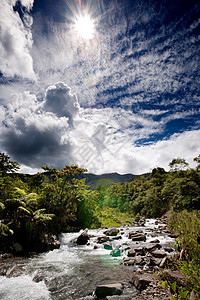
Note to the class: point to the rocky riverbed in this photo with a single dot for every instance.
(112, 263)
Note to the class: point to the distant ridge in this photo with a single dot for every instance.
(108, 179)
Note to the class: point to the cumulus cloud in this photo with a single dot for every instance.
(15, 41)
(33, 135)
(60, 101)
(56, 131)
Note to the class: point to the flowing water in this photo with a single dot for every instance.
(72, 271)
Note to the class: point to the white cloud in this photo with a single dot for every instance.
(15, 42)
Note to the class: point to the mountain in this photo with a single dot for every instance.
(93, 181)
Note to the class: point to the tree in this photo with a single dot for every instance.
(62, 195)
(178, 164)
(7, 165)
(197, 160)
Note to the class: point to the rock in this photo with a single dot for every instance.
(111, 232)
(123, 297)
(168, 249)
(103, 239)
(173, 235)
(139, 260)
(159, 253)
(139, 237)
(155, 241)
(131, 253)
(83, 238)
(118, 237)
(104, 290)
(154, 261)
(38, 277)
(141, 281)
(172, 276)
(140, 251)
(151, 247)
(129, 262)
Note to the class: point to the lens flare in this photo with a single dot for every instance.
(84, 26)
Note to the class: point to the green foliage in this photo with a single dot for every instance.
(110, 217)
(187, 225)
(178, 164)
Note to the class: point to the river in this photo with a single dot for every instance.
(72, 272)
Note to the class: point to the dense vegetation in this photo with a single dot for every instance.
(56, 201)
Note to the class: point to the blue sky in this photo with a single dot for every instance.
(124, 99)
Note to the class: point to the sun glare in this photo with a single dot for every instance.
(84, 26)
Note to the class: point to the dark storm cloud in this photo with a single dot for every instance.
(36, 133)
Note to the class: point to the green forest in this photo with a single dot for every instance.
(56, 201)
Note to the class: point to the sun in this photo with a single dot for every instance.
(84, 26)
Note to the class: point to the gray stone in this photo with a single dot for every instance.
(155, 241)
(139, 237)
(103, 239)
(131, 253)
(172, 276)
(104, 290)
(159, 253)
(139, 260)
(141, 281)
(151, 247)
(111, 232)
(129, 262)
(154, 261)
(123, 297)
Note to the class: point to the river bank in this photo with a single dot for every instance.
(125, 257)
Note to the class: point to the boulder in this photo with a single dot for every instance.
(122, 297)
(140, 251)
(141, 281)
(139, 237)
(129, 261)
(83, 238)
(103, 239)
(118, 237)
(172, 276)
(131, 253)
(111, 232)
(151, 247)
(155, 241)
(155, 261)
(168, 249)
(139, 260)
(104, 290)
(158, 253)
